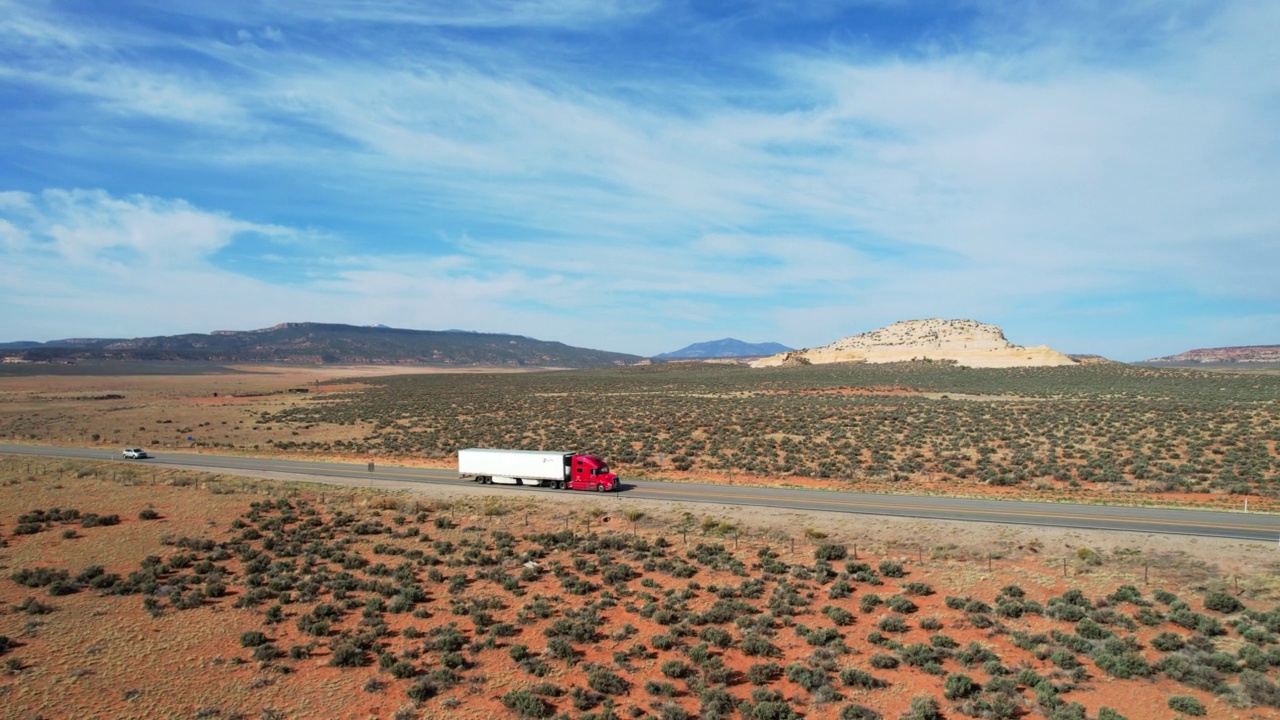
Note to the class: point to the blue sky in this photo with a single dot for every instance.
(636, 176)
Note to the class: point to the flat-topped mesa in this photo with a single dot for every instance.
(964, 342)
(1241, 354)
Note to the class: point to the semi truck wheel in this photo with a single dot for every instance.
(599, 488)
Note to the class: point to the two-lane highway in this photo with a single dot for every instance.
(1243, 526)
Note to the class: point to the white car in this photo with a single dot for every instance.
(135, 453)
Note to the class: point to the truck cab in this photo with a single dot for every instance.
(589, 472)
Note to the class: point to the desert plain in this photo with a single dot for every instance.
(136, 591)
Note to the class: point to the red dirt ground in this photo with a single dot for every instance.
(105, 656)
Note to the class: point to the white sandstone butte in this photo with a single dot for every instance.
(964, 342)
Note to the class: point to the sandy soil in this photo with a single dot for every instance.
(96, 655)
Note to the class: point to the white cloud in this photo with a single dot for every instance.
(12, 238)
(89, 228)
(1066, 154)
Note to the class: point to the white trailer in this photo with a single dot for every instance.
(514, 467)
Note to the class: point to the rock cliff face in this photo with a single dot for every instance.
(1244, 354)
(965, 342)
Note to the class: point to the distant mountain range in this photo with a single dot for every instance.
(1243, 354)
(726, 348)
(306, 342)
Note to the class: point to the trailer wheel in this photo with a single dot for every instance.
(558, 484)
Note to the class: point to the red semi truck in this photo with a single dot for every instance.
(554, 469)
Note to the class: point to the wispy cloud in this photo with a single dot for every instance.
(791, 174)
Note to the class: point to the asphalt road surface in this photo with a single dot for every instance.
(1236, 525)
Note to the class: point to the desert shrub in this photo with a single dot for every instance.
(855, 711)
(917, 588)
(1064, 659)
(619, 573)
(94, 520)
(958, 687)
(1126, 594)
(891, 569)
(981, 622)
(945, 642)
(1010, 609)
(607, 682)
(561, 648)
(347, 654)
(31, 606)
(900, 604)
(931, 623)
(838, 615)
(253, 638)
(699, 653)
(1065, 612)
(763, 673)
(675, 669)
(423, 690)
(1091, 630)
(1186, 705)
(1222, 602)
(1065, 711)
(831, 553)
(402, 669)
(148, 514)
(823, 637)
(893, 623)
(1123, 665)
(716, 702)
(63, 587)
(1168, 642)
(39, 577)
(853, 677)
(525, 704)
(757, 645)
(918, 654)
(584, 699)
(1088, 556)
(1164, 597)
(266, 652)
(666, 641)
(1260, 689)
(1106, 713)
(923, 707)
(883, 661)
(655, 687)
(807, 677)
(867, 603)
(518, 652)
